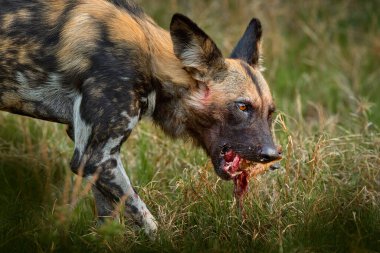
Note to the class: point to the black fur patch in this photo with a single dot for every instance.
(247, 48)
(75, 161)
(130, 6)
(70, 132)
(183, 31)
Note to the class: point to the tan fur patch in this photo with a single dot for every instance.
(53, 11)
(28, 108)
(166, 66)
(11, 100)
(5, 62)
(8, 20)
(23, 15)
(79, 36)
(154, 41)
(8, 84)
(266, 95)
(123, 28)
(81, 32)
(97, 92)
(236, 85)
(23, 53)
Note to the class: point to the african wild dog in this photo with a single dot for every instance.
(98, 66)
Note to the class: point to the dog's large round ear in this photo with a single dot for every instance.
(248, 48)
(197, 52)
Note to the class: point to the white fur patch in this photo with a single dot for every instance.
(151, 100)
(48, 91)
(123, 177)
(21, 79)
(192, 56)
(111, 143)
(260, 64)
(132, 120)
(197, 99)
(82, 131)
(51, 94)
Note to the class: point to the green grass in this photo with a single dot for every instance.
(322, 60)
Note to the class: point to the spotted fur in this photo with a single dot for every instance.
(98, 66)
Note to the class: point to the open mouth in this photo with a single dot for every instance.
(240, 171)
(233, 165)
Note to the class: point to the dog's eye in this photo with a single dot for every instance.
(242, 107)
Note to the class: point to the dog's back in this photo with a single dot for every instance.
(47, 49)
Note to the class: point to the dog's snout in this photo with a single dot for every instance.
(269, 154)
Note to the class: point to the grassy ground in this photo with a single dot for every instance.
(322, 60)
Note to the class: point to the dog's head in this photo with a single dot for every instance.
(230, 111)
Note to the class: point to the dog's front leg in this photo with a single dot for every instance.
(98, 139)
(114, 184)
(104, 205)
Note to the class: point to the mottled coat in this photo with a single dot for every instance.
(98, 66)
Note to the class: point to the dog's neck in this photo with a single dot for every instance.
(173, 83)
(166, 67)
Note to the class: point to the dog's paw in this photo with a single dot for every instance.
(150, 226)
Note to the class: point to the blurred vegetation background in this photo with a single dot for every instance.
(322, 62)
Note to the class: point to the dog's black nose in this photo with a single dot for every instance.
(269, 154)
